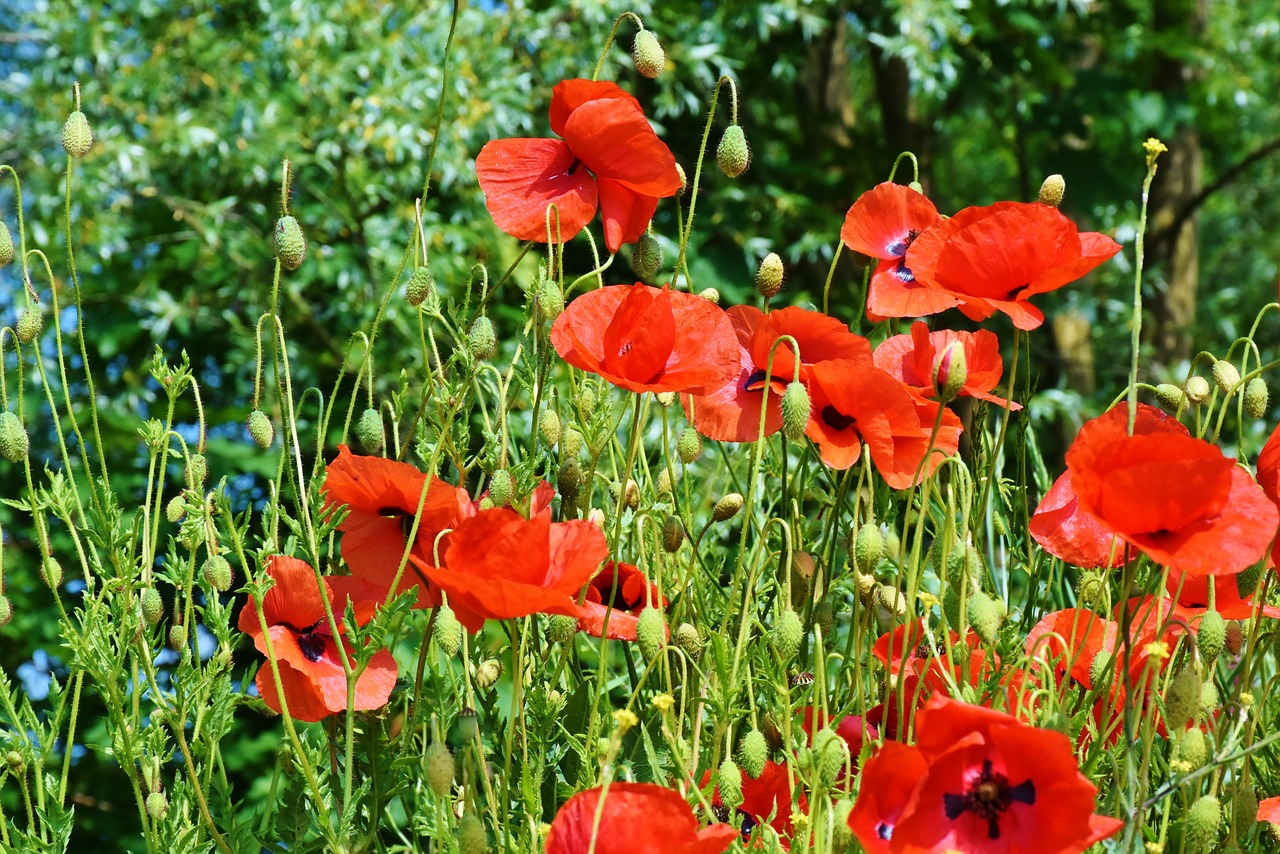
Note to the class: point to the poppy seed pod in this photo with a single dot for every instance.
(769, 276)
(648, 55)
(726, 508)
(290, 245)
(77, 136)
(1256, 398)
(6, 244)
(31, 323)
(1225, 375)
(732, 154)
(1052, 190)
(368, 431)
(14, 442)
(646, 258)
(448, 631)
(795, 411)
(1197, 389)
(420, 286)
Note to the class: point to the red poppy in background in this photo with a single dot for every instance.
(852, 729)
(855, 405)
(500, 565)
(882, 224)
(609, 156)
(1269, 478)
(912, 359)
(1070, 640)
(1192, 592)
(1269, 810)
(635, 818)
(382, 497)
(307, 657)
(996, 258)
(765, 800)
(1172, 496)
(731, 412)
(625, 589)
(643, 338)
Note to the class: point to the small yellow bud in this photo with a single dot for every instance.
(1052, 190)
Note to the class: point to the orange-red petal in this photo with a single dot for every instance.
(521, 178)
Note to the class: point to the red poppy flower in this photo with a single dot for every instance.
(1192, 593)
(311, 675)
(1269, 810)
(609, 155)
(1269, 478)
(909, 653)
(500, 565)
(996, 258)
(643, 338)
(888, 781)
(634, 818)
(883, 223)
(854, 405)
(731, 412)
(766, 800)
(1070, 640)
(625, 589)
(852, 729)
(912, 359)
(382, 497)
(1174, 497)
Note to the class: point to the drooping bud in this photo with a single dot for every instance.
(1234, 637)
(1247, 581)
(51, 572)
(689, 445)
(549, 426)
(890, 604)
(501, 488)
(646, 257)
(1181, 699)
(688, 640)
(588, 397)
(1169, 396)
(550, 299)
(769, 276)
(438, 768)
(788, 632)
(1256, 398)
(985, 616)
(290, 245)
(77, 136)
(868, 547)
(1052, 190)
(729, 781)
(950, 372)
(651, 631)
(732, 154)
(830, 753)
(561, 628)
(482, 339)
(31, 323)
(420, 286)
(217, 573)
(648, 55)
(176, 508)
(754, 753)
(1201, 828)
(1094, 592)
(1244, 806)
(711, 295)
(6, 244)
(448, 631)
(917, 186)
(1197, 389)
(261, 430)
(1190, 748)
(472, 838)
(842, 832)
(487, 673)
(1211, 637)
(672, 534)
(177, 636)
(157, 806)
(1210, 700)
(6, 610)
(1225, 375)
(14, 442)
(795, 411)
(663, 486)
(368, 431)
(726, 508)
(570, 477)
(197, 470)
(152, 605)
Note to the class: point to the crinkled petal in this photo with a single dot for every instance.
(1066, 530)
(568, 95)
(521, 178)
(615, 140)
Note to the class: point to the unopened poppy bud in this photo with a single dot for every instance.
(438, 768)
(769, 276)
(1190, 748)
(646, 258)
(950, 372)
(487, 673)
(688, 640)
(984, 616)
(14, 442)
(290, 245)
(14, 760)
(795, 411)
(1197, 389)
(261, 430)
(176, 508)
(663, 486)
(51, 571)
(157, 805)
(1169, 396)
(754, 753)
(550, 300)
(1181, 699)
(6, 610)
(830, 753)
(648, 55)
(1233, 638)
(684, 179)
(732, 154)
(711, 295)
(368, 431)
(1256, 398)
(570, 477)
(868, 547)
(482, 339)
(917, 186)
(197, 470)
(651, 630)
(472, 838)
(152, 605)
(448, 631)
(501, 488)
(1211, 637)
(217, 573)
(1244, 806)
(666, 398)
(420, 286)
(1225, 375)
(1052, 190)
(729, 780)
(31, 323)
(177, 636)
(6, 244)
(549, 427)
(561, 628)
(588, 397)
(689, 445)
(77, 136)
(672, 534)
(951, 607)
(726, 508)
(1247, 581)
(841, 832)
(1200, 829)
(631, 498)
(890, 604)
(1210, 700)
(788, 632)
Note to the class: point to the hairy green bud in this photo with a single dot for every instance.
(727, 507)
(1189, 748)
(14, 442)
(29, 326)
(420, 286)
(754, 753)
(769, 275)
(688, 445)
(549, 427)
(651, 631)
(1181, 699)
(1211, 637)
(711, 295)
(868, 547)
(77, 136)
(648, 55)
(6, 610)
(788, 632)
(217, 573)
(157, 806)
(795, 411)
(985, 616)
(1225, 375)
(6, 244)
(729, 781)
(1210, 700)
(561, 628)
(1197, 389)
(1201, 824)
(177, 636)
(1169, 396)
(51, 571)
(368, 431)
(290, 245)
(830, 753)
(197, 470)
(550, 299)
(688, 640)
(261, 430)
(672, 533)
(1256, 398)
(732, 154)
(482, 339)
(501, 488)
(152, 605)
(472, 838)
(570, 477)
(176, 508)
(646, 258)
(448, 631)
(438, 768)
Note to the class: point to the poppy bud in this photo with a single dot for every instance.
(842, 833)
(1093, 591)
(754, 753)
(261, 430)
(831, 752)
(650, 632)
(1181, 699)
(197, 470)
(561, 629)
(549, 427)
(632, 495)
(482, 339)
(866, 587)
(985, 616)
(868, 547)
(1244, 806)
(730, 782)
(1052, 190)
(420, 286)
(1209, 701)
(769, 276)
(77, 136)
(448, 631)
(646, 258)
(501, 488)
(51, 571)
(177, 636)
(290, 245)
(550, 299)
(1201, 824)
(732, 154)
(1233, 637)
(588, 397)
(1169, 396)
(472, 838)
(14, 442)
(369, 431)
(157, 806)
(1225, 375)
(1211, 636)
(6, 610)
(217, 573)
(672, 533)
(1190, 749)
(572, 444)
(917, 186)
(689, 445)
(891, 605)
(1247, 581)
(152, 606)
(1197, 389)
(663, 485)
(648, 55)
(6, 244)
(1256, 397)
(176, 508)
(788, 632)
(951, 607)
(1100, 669)
(15, 761)
(726, 508)
(795, 411)
(950, 372)
(438, 768)
(711, 295)
(569, 478)
(31, 323)
(688, 641)
(487, 673)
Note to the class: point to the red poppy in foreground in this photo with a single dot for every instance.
(307, 656)
(983, 781)
(624, 589)
(913, 358)
(643, 338)
(1269, 810)
(996, 258)
(1231, 596)
(882, 224)
(1269, 478)
(1172, 496)
(609, 155)
(634, 818)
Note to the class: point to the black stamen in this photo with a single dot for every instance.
(835, 419)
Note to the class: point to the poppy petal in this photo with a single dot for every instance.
(626, 213)
(639, 338)
(615, 140)
(568, 95)
(885, 219)
(1066, 530)
(521, 178)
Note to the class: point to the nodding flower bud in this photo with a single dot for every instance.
(1181, 699)
(176, 508)
(77, 136)
(688, 640)
(6, 244)
(917, 186)
(950, 372)
(1256, 398)
(217, 573)
(769, 275)
(788, 632)
(754, 753)
(157, 805)
(1200, 825)
(984, 616)
(549, 427)
(732, 154)
(369, 431)
(711, 295)
(420, 286)
(482, 338)
(561, 628)
(487, 673)
(570, 477)
(672, 534)
(14, 442)
(51, 572)
(1052, 190)
(472, 838)
(648, 55)
(795, 411)
(1197, 389)
(261, 430)
(1169, 396)
(438, 766)
(152, 606)
(550, 299)
(501, 488)
(1225, 375)
(646, 258)
(448, 631)
(689, 445)
(197, 470)
(726, 508)
(1211, 637)
(868, 547)
(651, 632)
(1190, 749)
(177, 636)
(290, 245)
(729, 781)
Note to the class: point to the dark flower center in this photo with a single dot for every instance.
(755, 382)
(884, 830)
(311, 641)
(898, 248)
(573, 167)
(903, 273)
(989, 795)
(835, 419)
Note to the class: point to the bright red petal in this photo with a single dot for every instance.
(303, 697)
(615, 140)
(521, 178)
(568, 95)
(639, 338)
(1066, 530)
(731, 412)
(888, 781)
(885, 219)
(626, 213)
(634, 818)
(1269, 810)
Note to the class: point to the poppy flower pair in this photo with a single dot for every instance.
(982, 260)
(633, 818)
(306, 652)
(976, 780)
(608, 157)
(1172, 496)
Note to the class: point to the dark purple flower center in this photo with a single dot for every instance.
(898, 248)
(835, 419)
(988, 796)
(311, 641)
